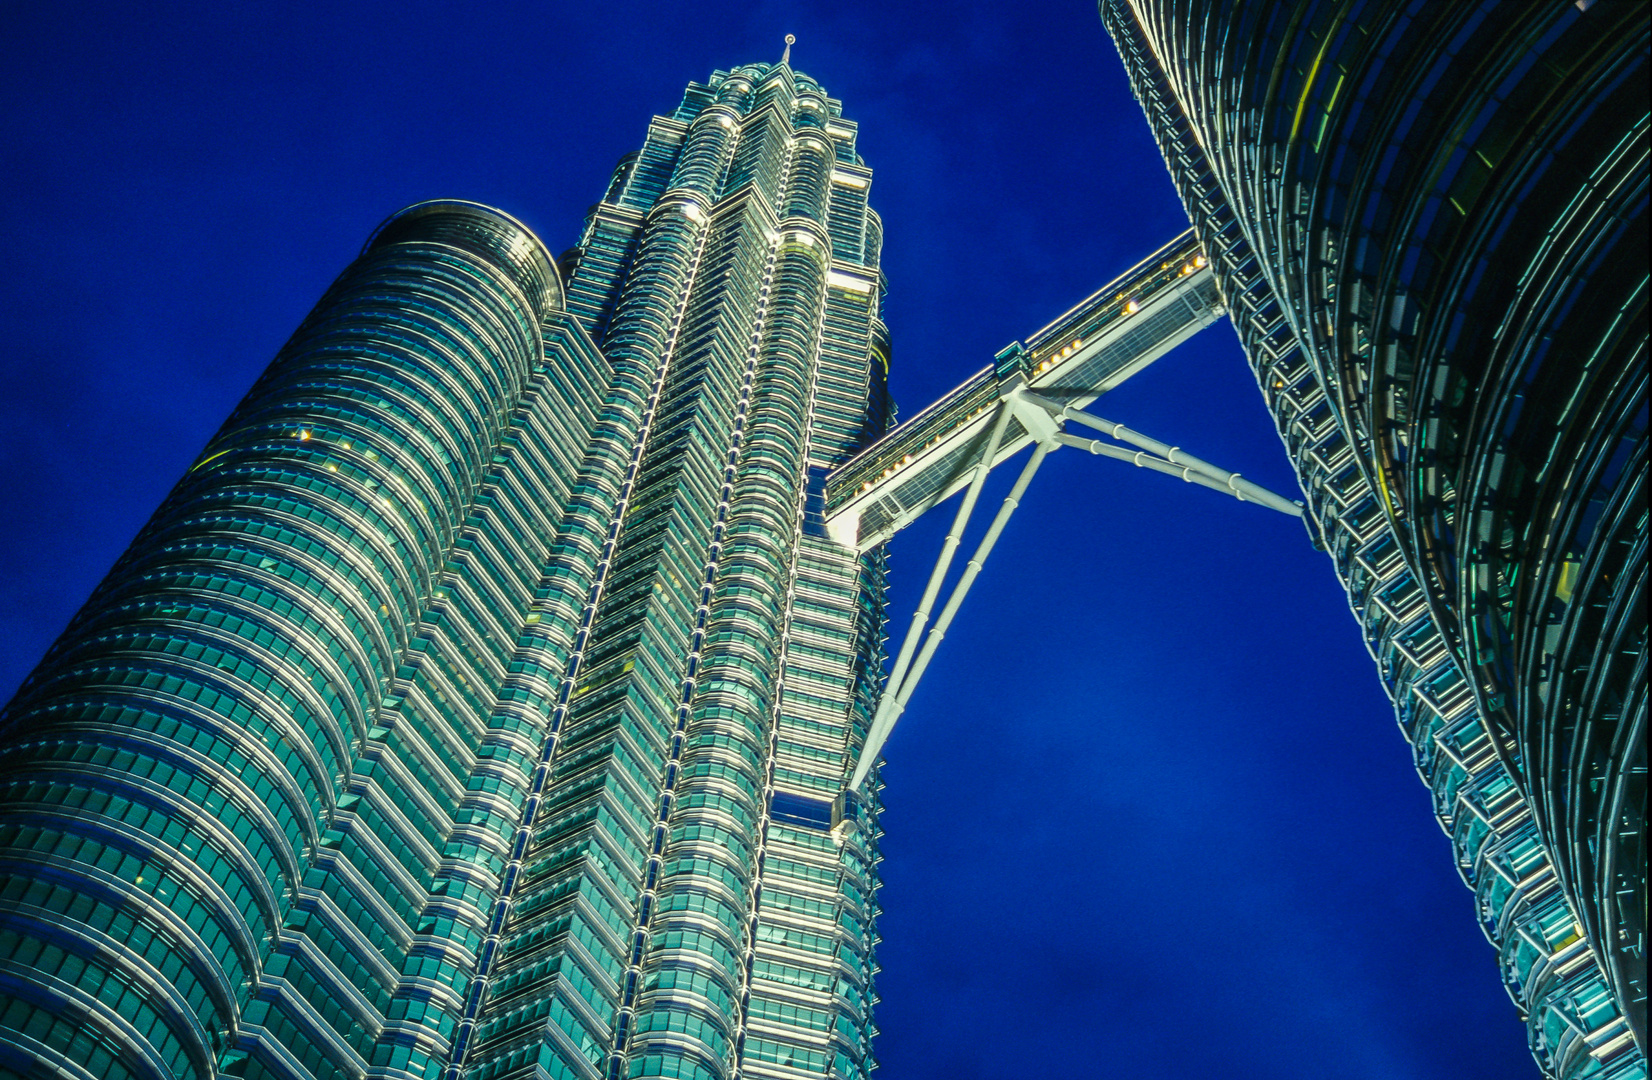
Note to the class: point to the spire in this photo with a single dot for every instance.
(786, 57)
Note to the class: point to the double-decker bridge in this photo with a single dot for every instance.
(1028, 396)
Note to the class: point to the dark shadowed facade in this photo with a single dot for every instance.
(1429, 224)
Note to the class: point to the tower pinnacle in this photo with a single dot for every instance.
(786, 57)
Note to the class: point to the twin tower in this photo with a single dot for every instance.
(475, 704)
(478, 705)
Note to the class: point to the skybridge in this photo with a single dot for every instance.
(1028, 396)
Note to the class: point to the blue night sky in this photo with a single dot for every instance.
(1149, 815)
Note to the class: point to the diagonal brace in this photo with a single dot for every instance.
(1143, 459)
(882, 720)
(1169, 459)
(898, 690)
(949, 546)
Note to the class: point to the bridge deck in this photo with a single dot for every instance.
(1118, 331)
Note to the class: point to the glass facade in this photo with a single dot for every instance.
(1429, 224)
(474, 706)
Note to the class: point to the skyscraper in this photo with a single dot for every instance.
(475, 704)
(1429, 225)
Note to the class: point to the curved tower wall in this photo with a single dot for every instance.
(1430, 223)
(190, 774)
(475, 704)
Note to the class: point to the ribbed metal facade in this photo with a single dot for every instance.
(475, 704)
(1429, 223)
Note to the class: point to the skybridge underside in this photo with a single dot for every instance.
(1110, 336)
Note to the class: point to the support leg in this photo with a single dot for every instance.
(1187, 466)
(881, 720)
(896, 694)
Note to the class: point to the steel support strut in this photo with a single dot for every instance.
(882, 720)
(1042, 419)
(898, 691)
(1181, 463)
(949, 546)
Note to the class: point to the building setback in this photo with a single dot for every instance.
(475, 704)
(1428, 222)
